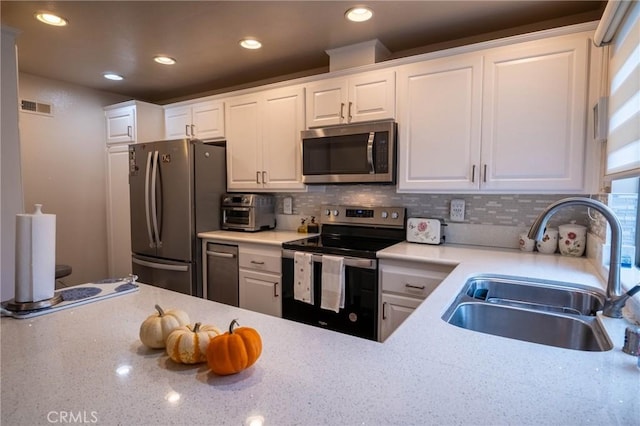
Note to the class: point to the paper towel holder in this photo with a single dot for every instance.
(14, 306)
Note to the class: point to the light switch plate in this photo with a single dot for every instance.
(287, 205)
(456, 212)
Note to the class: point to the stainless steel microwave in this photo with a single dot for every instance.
(351, 153)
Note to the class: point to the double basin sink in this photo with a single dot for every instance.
(539, 311)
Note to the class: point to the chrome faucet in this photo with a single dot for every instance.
(615, 300)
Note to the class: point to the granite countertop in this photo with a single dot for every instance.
(89, 361)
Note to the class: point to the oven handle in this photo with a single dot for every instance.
(354, 262)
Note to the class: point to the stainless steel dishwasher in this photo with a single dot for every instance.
(222, 273)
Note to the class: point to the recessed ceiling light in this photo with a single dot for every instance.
(112, 76)
(250, 43)
(51, 19)
(359, 14)
(164, 60)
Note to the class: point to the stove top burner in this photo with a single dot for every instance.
(340, 246)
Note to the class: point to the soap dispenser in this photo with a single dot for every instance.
(302, 229)
(313, 227)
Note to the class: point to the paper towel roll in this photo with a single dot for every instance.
(35, 256)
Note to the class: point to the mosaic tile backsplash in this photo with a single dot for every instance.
(507, 210)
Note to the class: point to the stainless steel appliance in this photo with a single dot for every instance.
(248, 212)
(222, 273)
(356, 234)
(175, 189)
(352, 153)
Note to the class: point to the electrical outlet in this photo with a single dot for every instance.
(456, 212)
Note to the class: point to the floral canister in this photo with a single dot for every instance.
(572, 239)
(549, 242)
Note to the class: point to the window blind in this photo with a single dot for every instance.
(623, 137)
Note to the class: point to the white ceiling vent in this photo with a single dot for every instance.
(36, 107)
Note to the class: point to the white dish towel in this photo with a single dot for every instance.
(303, 277)
(332, 283)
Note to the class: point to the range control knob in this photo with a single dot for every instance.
(336, 212)
(327, 212)
(384, 214)
(394, 215)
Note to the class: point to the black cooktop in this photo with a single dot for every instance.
(348, 241)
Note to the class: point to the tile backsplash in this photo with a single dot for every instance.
(505, 210)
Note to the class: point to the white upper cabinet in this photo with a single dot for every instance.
(202, 120)
(511, 118)
(263, 140)
(439, 112)
(133, 121)
(363, 97)
(534, 115)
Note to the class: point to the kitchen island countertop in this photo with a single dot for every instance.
(88, 361)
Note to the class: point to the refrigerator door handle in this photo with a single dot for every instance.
(152, 243)
(154, 204)
(163, 266)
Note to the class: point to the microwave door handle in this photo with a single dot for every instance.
(372, 169)
(147, 207)
(154, 204)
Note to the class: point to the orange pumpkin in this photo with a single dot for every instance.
(233, 351)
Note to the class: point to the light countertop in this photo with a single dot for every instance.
(89, 360)
(275, 237)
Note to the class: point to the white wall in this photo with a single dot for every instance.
(63, 168)
(11, 199)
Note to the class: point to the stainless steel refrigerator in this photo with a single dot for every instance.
(175, 189)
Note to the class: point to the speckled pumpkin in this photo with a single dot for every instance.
(234, 351)
(188, 344)
(157, 327)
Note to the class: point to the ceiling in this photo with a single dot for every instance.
(123, 37)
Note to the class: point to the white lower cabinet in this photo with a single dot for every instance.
(260, 278)
(403, 286)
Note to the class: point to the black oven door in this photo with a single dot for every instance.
(360, 314)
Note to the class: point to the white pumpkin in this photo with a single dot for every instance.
(157, 327)
(188, 344)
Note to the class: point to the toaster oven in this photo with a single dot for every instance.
(248, 212)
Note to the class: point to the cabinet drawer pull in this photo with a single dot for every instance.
(349, 116)
(264, 177)
(193, 130)
(417, 287)
(257, 177)
(341, 111)
(257, 262)
(186, 129)
(129, 131)
(275, 290)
